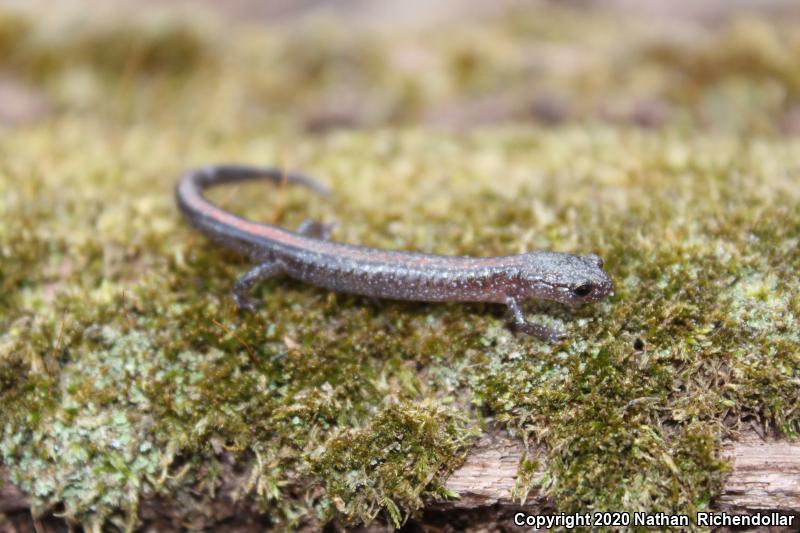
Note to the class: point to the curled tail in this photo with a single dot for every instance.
(211, 175)
(226, 228)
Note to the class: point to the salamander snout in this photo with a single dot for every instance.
(564, 278)
(595, 259)
(594, 283)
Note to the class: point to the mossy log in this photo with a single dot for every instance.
(134, 395)
(765, 475)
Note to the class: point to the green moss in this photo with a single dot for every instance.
(391, 463)
(125, 372)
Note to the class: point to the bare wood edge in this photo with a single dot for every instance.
(765, 476)
(11, 498)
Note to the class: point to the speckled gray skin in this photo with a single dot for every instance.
(308, 255)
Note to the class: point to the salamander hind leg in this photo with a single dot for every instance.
(315, 229)
(537, 330)
(248, 280)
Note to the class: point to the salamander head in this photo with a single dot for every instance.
(564, 278)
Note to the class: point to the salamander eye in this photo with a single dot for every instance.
(581, 291)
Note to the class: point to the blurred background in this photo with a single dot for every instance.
(315, 66)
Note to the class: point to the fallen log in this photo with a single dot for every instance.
(765, 476)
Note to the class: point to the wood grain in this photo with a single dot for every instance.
(765, 475)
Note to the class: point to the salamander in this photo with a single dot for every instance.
(309, 255)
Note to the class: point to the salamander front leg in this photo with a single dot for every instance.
(537, 330)
(315, 229)
(250, 279)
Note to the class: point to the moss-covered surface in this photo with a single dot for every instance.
(125, 372)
